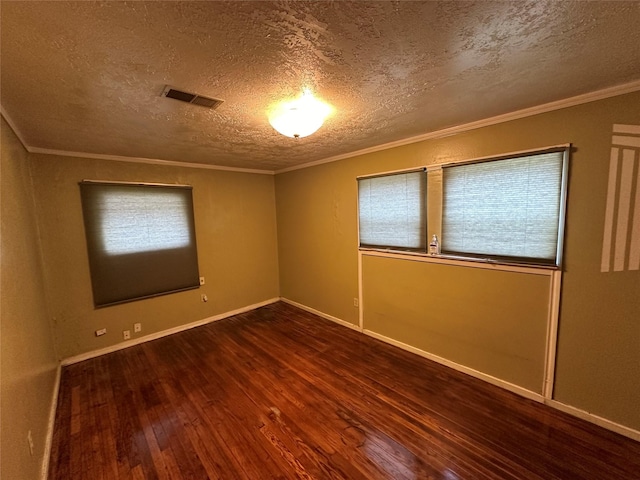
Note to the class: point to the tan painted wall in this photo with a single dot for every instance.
(315, 248)
(237, 249)
(28, 360)
(598, 367)
(474, 317)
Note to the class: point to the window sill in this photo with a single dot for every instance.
(487, 264)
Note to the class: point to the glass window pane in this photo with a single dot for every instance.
(392, 210)
(504, 208)
(140, 240)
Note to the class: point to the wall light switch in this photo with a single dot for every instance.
(201, 280)
(126, 334)
(137, 327)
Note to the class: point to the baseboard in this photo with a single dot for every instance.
(591, 418)
(44, 471)
(456, 366)
(164, 333)
(461, 368)
(576, 412)
(337, 320)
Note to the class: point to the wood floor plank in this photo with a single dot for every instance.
(334, 383)
(330, 434)
(226, 418)
(279, 393)
(274, 403)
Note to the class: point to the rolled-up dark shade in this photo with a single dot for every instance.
(140, 240)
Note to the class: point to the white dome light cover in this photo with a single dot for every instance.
(301, 117)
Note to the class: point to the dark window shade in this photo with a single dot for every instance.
(140, 239)
(505, 209)
(392, 211)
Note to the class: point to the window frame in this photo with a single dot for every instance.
(562, 196)
(367, 246)
(437, 197)
(98, 254)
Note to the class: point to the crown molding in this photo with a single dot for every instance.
(518, 114)
(506, 117)
(121, 158)
(151, 161)
(13, 127)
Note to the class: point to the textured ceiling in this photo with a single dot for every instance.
(87, 76)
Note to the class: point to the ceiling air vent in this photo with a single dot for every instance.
(193, 98)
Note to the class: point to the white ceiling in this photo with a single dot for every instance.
(87, 76)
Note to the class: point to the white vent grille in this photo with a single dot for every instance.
(194, 98)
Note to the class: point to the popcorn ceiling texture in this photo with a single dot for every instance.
(87, 76)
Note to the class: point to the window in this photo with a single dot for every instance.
(509, 208)
(140, 240)
(392, 210)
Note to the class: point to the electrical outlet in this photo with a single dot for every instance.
(356, 302)
(101, 332)
(126, 334)
(30, 440)
(137, 327)
(204, 297)
(201, 280)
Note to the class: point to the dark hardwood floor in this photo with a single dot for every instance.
(281, 393)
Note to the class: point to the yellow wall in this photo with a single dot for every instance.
(317, 241)
(598, 362)
(476, 317)
(235, 221)
(308, 254)
(28, 359)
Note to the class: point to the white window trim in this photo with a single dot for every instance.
(478, 261)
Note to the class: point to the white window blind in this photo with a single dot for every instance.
(140, 240)
(504, 208)
(392, 211)
(142, 220)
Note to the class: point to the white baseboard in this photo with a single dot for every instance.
(344, 323)
(582, 414)
(461, 368)
(44, 470)
(590, 417)
(576, 412)
(163, 333)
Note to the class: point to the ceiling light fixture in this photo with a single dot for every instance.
(301, 117)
